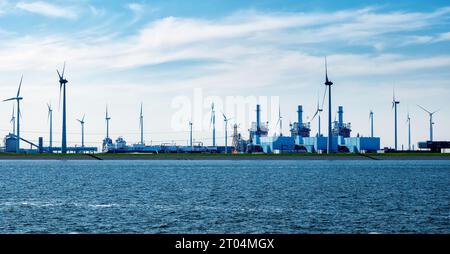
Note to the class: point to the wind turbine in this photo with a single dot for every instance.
(213, 122)
(50, 118)
(431, 120)
(394, 106)
(317, 113)
(141, 125)
(190, 135)
(107, 118)
(408, 120)
(330, 134)
(82, 130)
(371, 123)
(13, 122)
(280, 121)
(225, 119)
(62, 85)
(18, 99)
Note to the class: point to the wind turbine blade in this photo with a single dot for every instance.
(59, 97)
(59, 75)
(323, 99)
(424, 109)
(436, 111)
(10, 99)
(64, 69)
(317, 111)
(20, 84)
(82, 119)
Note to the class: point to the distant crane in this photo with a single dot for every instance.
(62, 85)
(107, 118)
(371, 123)
(225, 119)
(213, 122)
(13, 122)
(330, 134)
(394, 106)
(50, 118)
(431, 120)
(408, 120)
(141, 125)
(280, 121)
(82, 130)
(18, 99)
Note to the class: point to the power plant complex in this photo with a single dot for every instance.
(338, 138)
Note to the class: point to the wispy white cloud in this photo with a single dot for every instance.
(136, 7)
(47, 9)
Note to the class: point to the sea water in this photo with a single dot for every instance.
(257, 196)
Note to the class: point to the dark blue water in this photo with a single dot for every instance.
(224, 196)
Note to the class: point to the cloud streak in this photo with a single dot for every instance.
(48, 10)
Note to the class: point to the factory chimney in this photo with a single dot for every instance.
(258, 124)
(341, 116)
(300, 116)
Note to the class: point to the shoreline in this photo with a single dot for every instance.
(224, 157)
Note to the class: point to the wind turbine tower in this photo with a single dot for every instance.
(62, 85)
(330, 134)
(213, 121)
(225, 119)
(141, 125)
(408, 120)
(280, 120)
(318, 111)
(190, 135)
(18, 99)
(107, 118)
(82, 130)
(50, 118)
(431, 120)
(394, 106)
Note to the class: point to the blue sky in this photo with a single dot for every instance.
(123, 52)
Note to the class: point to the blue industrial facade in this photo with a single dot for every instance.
(277, 144)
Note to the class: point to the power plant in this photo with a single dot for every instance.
(338, 139)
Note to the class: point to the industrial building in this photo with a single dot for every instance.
(300, 140)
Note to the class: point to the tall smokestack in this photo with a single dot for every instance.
(300, 118)
(300, 115)
(341, 116)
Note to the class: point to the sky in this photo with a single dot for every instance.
(178, 56)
